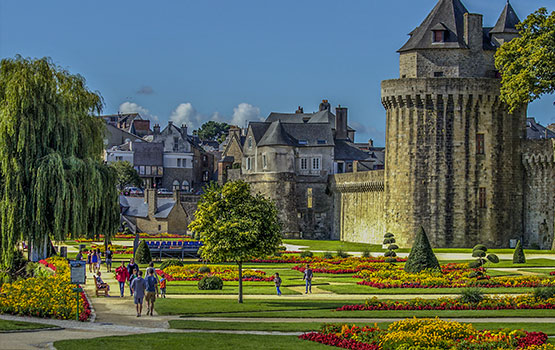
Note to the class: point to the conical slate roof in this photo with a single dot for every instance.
(507, 21)
(276, 136)
(446, 15)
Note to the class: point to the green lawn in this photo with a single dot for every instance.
(543, 262)
(312, 309)
(360, 289)
(197, 341)
(227, 289)
(541, 271)
(333, 246)
(19, 326)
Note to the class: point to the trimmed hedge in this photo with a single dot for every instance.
(211, 283)
(421, 255)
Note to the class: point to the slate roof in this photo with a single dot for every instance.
(276, 136)
(345, 150)
(535, 130)
(447, 14)
(136, 207)
(315, 134)
(507, 21)
(324, 116)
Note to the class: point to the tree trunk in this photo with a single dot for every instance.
(240, 282)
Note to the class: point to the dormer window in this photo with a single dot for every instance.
(439, 36)
(303, 142)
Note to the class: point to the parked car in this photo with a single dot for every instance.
(133, 191)
(164, 191)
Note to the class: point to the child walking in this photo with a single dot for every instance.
(277, 282)
(163, 287)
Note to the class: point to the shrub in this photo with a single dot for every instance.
(204, 269)
(278, 253)
(328, 255)
(307, 254)
(518, 256)
(421, 255)
(211, 283)
(342, 254)
(389, 239)
(480, 252)
(366, 253)
(544, 293)
(171, 262)
(471, 295)
(142, 255)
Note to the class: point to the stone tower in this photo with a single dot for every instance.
(453, 152)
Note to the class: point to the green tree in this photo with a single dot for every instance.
(480, 252)
(421, 255)
(53, 182)
(389, 239)
(212, 130)
(126, 175)
(518, 255)
(527, 63)
(235, 225)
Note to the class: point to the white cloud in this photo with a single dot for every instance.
(132, 107)
(243, 113)
(186, 114)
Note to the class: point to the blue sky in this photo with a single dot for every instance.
(232, 60)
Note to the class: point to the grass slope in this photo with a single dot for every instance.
(19, 326)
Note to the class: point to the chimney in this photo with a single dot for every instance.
(473, 31)
(341, 123)
(234, 130)
(300, 110)
(176, 196)
(156, 129)
(370, 143)
(325, 105)
(184, 129)
(151, 198)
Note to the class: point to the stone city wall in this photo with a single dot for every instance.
(359, 199)
(539, 193)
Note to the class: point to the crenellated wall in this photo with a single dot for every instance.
(539, 193)
(359, 206)
(434, 171)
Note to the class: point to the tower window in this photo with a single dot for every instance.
(482, 198)
(264, 161)
(438, 74)
(309, 198)
(439, 36)
(480, 144)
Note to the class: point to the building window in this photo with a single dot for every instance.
(179, 163)
(438, 74)
(322, 142)
(316, 164)
(160, 171)
(175, 144)
(439, 36)
(141, 170)
(175, 185)
(159, 228)
(480, 144)
(155, 170)
(264, 161)
(250, 142)
(248, 159)
(185, 186)
(309, 198)
(482, 198)
(303, 142)
(119, 158)
(205, 176)
(304, 163)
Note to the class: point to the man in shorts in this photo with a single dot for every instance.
(138, 287)
(108, 255)
(151, 291)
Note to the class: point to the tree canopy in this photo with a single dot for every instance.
(212, 131)
(126, 175)
(235, 225)
(527, 63)
(53, 182)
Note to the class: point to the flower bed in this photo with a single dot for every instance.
(552, 273)
(347, 266)
(527, 301)
(450, 276)
(115, 248)
(421, 334)
(51, 296)
(225, 272)
(297, 259)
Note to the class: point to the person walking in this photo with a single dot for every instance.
(79, 256)
(151, 291)
(122, 276)
(277, 282)
(138, 287)
(151, 268)
(98, 260)
(131, 267)
(108, 255)
(163, 287)
(134, 275)
(89, 260)
(94, 260)
(308, 278)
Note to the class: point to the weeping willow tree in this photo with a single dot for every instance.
(53, 182)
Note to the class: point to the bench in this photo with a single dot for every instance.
(101, 288)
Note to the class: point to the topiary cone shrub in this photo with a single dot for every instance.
(142, 255)
(389, 239)
(421, 255)
(518, 256)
